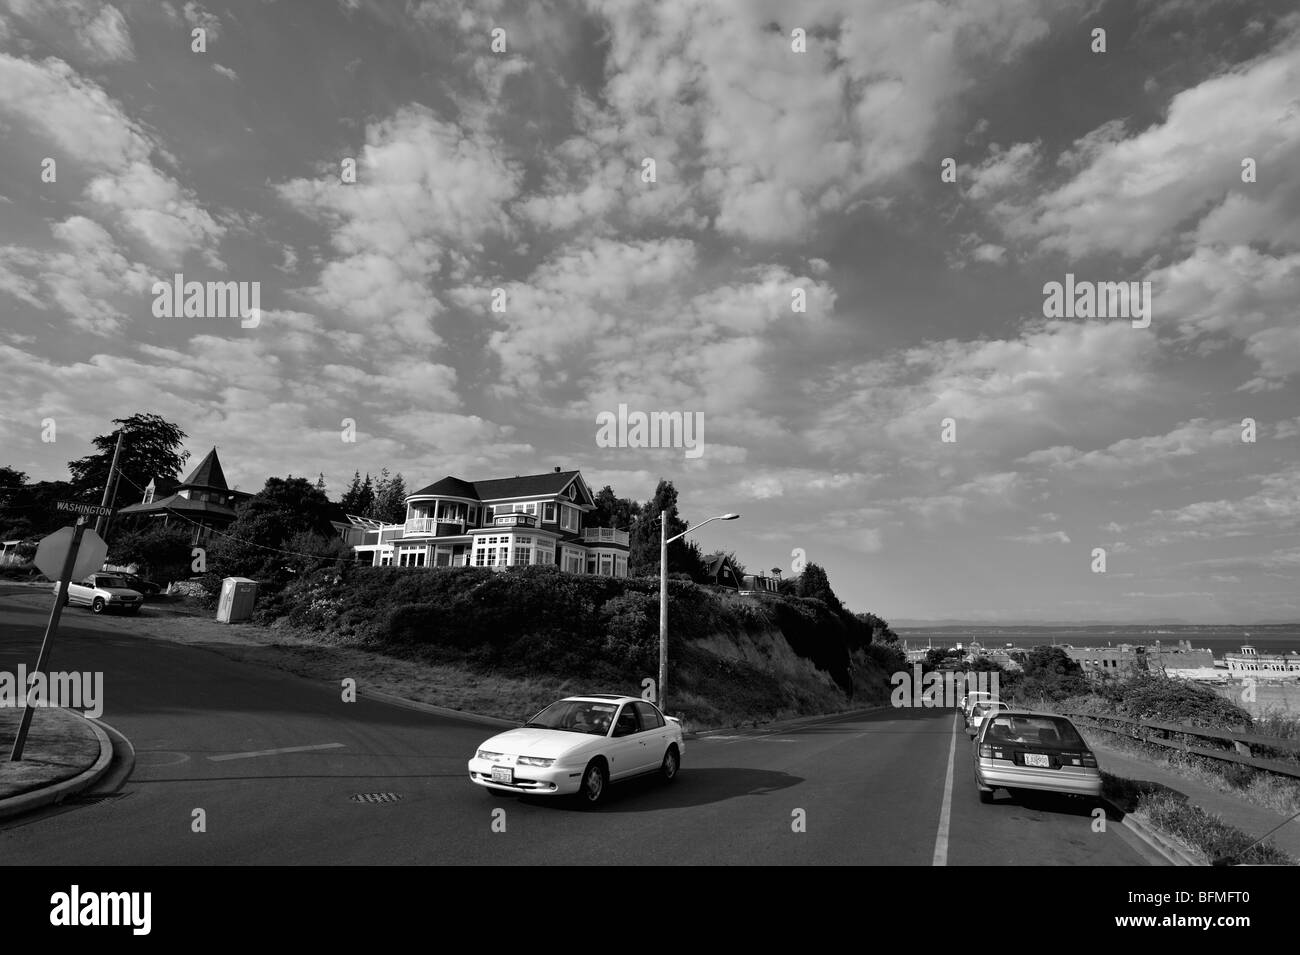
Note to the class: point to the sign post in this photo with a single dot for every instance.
(48, 556)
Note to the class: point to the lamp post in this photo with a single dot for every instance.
(664, 541)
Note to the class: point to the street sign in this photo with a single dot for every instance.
(91, 510)
(53, 551)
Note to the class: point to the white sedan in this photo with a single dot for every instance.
(578, 746)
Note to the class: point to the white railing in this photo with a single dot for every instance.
(430, 525)
(604, 535)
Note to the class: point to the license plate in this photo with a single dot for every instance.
(1037, 759)
(503, 774)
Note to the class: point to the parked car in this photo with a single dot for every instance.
(146, 587)
(578, 746)
(970, 699)
(979, 711)
(104, 592)
(1043, 751)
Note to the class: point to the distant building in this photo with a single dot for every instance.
(758, 584)
(1178, 658)
(1124, 660)
(721, 572)
(1262, 666)
(201, 504)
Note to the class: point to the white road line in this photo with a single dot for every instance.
(945, 814)
(275, 752)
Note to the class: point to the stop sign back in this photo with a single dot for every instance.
(53, 551)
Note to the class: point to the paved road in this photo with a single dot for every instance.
(871, 787)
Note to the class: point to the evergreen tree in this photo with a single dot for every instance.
(149, 450)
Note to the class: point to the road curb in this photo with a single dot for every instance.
(55, 793)
(1165, 847)
(404, 703)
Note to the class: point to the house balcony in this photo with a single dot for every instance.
(604, 535)
(433, 527)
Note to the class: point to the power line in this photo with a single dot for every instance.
(240, 540)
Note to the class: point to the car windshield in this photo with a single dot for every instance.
(1043, 732)
(575, 716)
(110, 582)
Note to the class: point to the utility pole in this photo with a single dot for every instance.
(110, 485)
(663, 611)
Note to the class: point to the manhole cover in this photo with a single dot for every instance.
(377, 797)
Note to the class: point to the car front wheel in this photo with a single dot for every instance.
(672, 762)
(98, 605)
(594, 783)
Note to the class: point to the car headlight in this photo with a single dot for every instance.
(484, 754)
(535, 761)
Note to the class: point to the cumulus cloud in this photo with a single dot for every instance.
(83, 122)
(87, 30)
(423, 188)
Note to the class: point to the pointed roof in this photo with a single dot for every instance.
(207, 474)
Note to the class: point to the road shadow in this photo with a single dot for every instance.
(1059, 804)
(692, 787)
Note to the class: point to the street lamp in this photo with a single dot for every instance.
(664, 541)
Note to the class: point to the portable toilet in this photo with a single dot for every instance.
(238, 594)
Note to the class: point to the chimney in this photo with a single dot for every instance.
(557, 469)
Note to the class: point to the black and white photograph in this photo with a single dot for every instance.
(676, 433)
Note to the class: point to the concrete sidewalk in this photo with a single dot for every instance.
(1231, 809)
(65, 753)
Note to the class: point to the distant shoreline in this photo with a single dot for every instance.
(1219, 640)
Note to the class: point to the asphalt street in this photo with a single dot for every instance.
(275, 762)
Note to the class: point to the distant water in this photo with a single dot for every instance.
(1280, 638)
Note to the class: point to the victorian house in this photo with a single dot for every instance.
(498, 523)
(200, 504)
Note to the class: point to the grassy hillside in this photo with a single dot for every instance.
(733, 659)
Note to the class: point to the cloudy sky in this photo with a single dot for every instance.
(775, 171)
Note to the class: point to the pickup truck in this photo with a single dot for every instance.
(103, 592)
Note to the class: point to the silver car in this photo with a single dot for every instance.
(1018, 749)
(104, 592)
(979, 711)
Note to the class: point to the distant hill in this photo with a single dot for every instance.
(949, 622)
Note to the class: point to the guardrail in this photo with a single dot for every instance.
(1242, 742)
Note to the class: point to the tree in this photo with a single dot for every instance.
(320, 482)
(29, 510)
(390, 499)
(359, 497)
(149, 450)
(880, 629)
(814, 583)
(612, 510)
(1049, 673)
(643, 551)
(162, 554)
(264, 524)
